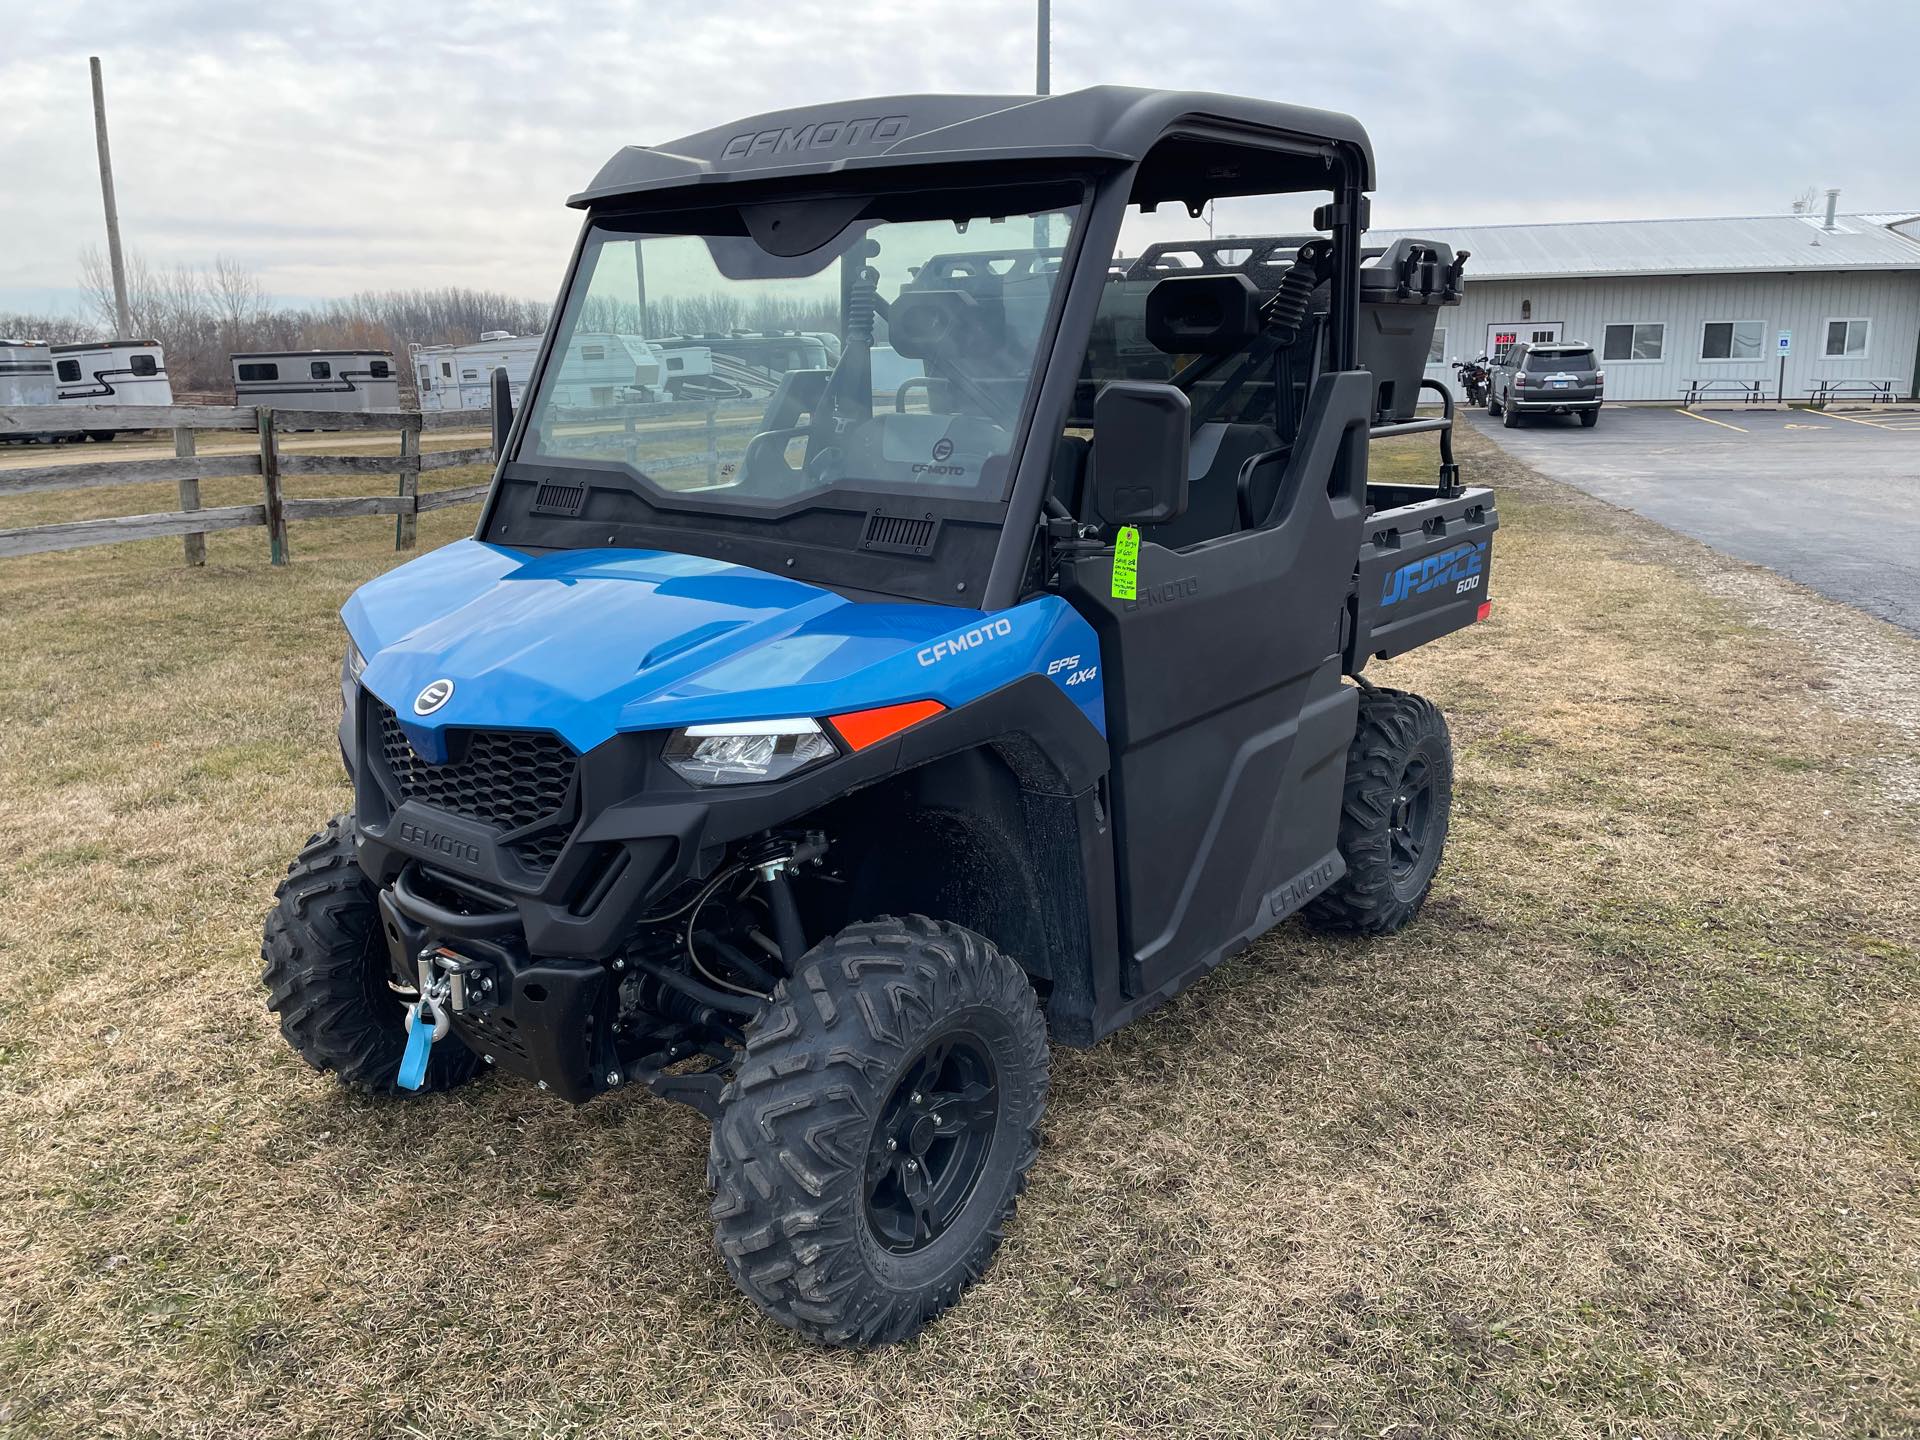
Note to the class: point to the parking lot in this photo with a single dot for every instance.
(1829, 500)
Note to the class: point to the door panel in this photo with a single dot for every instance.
(1504, 335)
(1226, 709)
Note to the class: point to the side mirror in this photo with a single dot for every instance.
(1141, 438)
(502, 410)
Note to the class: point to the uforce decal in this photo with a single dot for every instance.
(996, 629)
(1459, 567)
(821, 135)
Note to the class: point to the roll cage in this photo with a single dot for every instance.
(1112, 146)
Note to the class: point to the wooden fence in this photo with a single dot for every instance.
(272, 460)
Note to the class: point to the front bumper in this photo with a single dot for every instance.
(628, 831)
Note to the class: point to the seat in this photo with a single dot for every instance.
(1213, 486)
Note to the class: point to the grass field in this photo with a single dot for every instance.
(1620, 1139)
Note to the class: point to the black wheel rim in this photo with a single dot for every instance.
(1410, 820)
(931, 1143)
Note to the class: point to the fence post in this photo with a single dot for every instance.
(713, 448)
(270, 490)
(194, 544)
(406, 521)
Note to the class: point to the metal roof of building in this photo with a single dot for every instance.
(1754, 244)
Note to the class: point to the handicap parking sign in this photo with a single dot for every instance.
(1786, 342)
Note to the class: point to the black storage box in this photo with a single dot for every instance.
(1401, 293)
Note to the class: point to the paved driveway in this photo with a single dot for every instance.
(1832, 501)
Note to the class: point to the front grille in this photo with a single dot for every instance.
(508, 778)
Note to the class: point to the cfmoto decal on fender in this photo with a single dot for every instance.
(996, 629)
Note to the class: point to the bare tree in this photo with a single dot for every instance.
(52, 329)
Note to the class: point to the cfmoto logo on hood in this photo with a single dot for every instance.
(433, 697)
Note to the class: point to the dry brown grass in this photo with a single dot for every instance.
(1620, 1139)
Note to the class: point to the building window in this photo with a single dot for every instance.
(1846, 339)
(426, 377)
(144, 366)
(1634, 342)
(446, 368)
(320, 370)
(1731, 340)
(379, 370)
(469, 374)
(593, 352)
(69, 371)
(260, 371)
(1437, 351)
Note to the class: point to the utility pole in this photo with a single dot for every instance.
(125, 325)
(1042, 85)
(1042, 69)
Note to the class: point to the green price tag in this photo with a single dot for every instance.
(1126, 563)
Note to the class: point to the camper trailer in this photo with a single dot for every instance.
(111, 372)
(26, 373)
(356, 380)
(742, 364)
(460, 377)
(26, 377)
(599, 369)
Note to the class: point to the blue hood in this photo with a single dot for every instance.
(588, 643)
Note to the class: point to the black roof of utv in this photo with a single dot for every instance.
(1104, 125)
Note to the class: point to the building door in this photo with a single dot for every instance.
(1503, 336)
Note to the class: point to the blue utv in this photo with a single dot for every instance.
(972, 660)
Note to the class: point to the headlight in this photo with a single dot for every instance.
(745, 752)
(355, 662)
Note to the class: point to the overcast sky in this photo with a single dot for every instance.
(343, 147)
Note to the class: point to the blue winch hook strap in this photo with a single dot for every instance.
(413, 1061)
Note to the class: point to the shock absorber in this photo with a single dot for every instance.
(1290, 308)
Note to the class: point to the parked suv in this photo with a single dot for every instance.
(1561, 378)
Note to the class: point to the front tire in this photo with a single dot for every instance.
(326, 974)
(1394, 816)
(871, 1148)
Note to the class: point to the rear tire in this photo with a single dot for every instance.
(1394, 815)
(1493, 405)
(1509, 417)
(903, 1030)
(1589, 418)
(326, 974)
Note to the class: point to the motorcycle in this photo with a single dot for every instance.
(1473, 376)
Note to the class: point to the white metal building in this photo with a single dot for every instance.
(1702, 305)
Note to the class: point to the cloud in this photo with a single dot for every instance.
(337, 148)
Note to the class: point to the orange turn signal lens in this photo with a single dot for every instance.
(861, 728)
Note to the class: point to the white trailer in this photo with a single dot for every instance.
(26, 373)
(354, 380)
(598, 370)
(26, 378)
(460, 377)
(111, 372)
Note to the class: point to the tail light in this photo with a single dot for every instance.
(1599, 377)
(1519, 382)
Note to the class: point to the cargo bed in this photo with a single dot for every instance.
(1427, 559)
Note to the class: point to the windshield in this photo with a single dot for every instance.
(1541, 362)
(894, 356)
